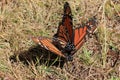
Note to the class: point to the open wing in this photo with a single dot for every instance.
(79, 35)
(47, 44)
(81, 32)
(65, 29)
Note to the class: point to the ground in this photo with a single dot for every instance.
(22, 59)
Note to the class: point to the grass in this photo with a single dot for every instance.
(86, 57)
(21, 19)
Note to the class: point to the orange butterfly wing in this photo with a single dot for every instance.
(81, 32)
(47, 44)
(79, 35)
(65, 29)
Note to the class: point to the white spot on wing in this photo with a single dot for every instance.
(46, 48)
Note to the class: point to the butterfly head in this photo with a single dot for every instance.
(69, 47)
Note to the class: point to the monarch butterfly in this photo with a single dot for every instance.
(67, 40)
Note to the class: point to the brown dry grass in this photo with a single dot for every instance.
(20, 19)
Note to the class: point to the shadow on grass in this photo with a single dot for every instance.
(38, 56)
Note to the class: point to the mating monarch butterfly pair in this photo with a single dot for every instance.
(67, 40)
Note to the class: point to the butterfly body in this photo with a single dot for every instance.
(69, 47)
